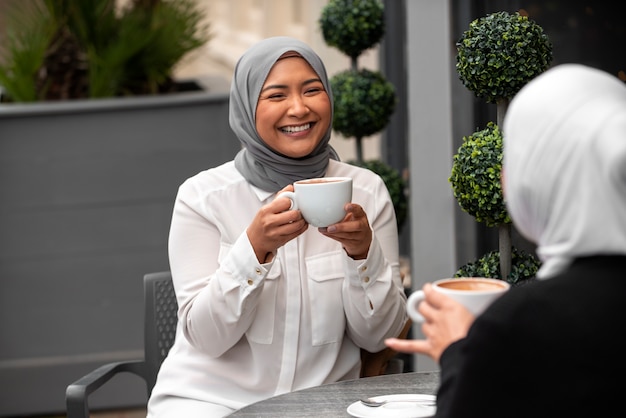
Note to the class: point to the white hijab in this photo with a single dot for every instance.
(565, 164)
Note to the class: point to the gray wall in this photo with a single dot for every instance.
(87, 191)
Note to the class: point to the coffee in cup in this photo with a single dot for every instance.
(475, 293)
(321, 200)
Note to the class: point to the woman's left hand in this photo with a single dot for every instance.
(353, 232)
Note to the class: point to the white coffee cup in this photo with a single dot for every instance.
(321, 200)
(475, 293)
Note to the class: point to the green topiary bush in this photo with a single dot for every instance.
(352, 26)
(523, 267)
(497, 56)
(364, 102)
(500, 53)
(475, 176)
(396, 185)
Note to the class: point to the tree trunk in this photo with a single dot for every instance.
(359, 149)
(358, 141)
(502, 105)
(504, 230)
(504, 243)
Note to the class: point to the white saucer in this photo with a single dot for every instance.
(403, 409)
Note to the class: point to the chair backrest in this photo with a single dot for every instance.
(160, 322)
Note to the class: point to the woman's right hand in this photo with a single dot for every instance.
(445, 321)
(273, 226)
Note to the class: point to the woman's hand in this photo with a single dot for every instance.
(273, 226)
(353, 232)
(445, 321)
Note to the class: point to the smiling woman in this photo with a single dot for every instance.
(269, 304)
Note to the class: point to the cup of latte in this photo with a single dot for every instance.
(321, 200)
(475, 293)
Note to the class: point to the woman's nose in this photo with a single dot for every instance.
(298, 107)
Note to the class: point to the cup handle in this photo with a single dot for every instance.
(412, 303)
(291, 196)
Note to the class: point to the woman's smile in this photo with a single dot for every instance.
(296, 129)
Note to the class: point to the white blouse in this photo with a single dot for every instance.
(248, 331)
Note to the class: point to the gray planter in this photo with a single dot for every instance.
(87, 190)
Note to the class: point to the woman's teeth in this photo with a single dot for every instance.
(293, 129)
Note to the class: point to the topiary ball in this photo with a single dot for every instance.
(396, 185)
(500, 53)
(524, 266)
(364, 102)
(475, 176)
(352, 26)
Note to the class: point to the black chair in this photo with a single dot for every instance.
(160, 309)
(160, 319)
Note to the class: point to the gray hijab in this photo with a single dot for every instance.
(260, 165)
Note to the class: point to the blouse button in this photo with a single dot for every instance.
(363, 269)
(250, 282)
(366, 279)
(258, 271)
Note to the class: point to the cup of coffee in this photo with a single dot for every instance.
(321, 200)
(475, 293)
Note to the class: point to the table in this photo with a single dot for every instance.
(333, 399)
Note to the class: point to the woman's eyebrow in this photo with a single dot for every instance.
(274, 86)
(283, 86)
(312, 80)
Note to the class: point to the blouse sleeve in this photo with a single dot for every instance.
(217, 287)
(374, 298)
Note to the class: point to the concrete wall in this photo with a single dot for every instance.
(87, 193)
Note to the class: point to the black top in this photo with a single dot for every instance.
(552, 348)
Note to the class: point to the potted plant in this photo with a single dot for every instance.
(92, 151)
(364, 100)
(73, 49)
(497, 56)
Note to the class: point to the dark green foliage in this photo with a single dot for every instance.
(500, 53)
(523, 266)
(352, 26)
(396, 185)
(497, 56)
(475, 176)
(83, 48)
(364, 102)
(27, 38)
